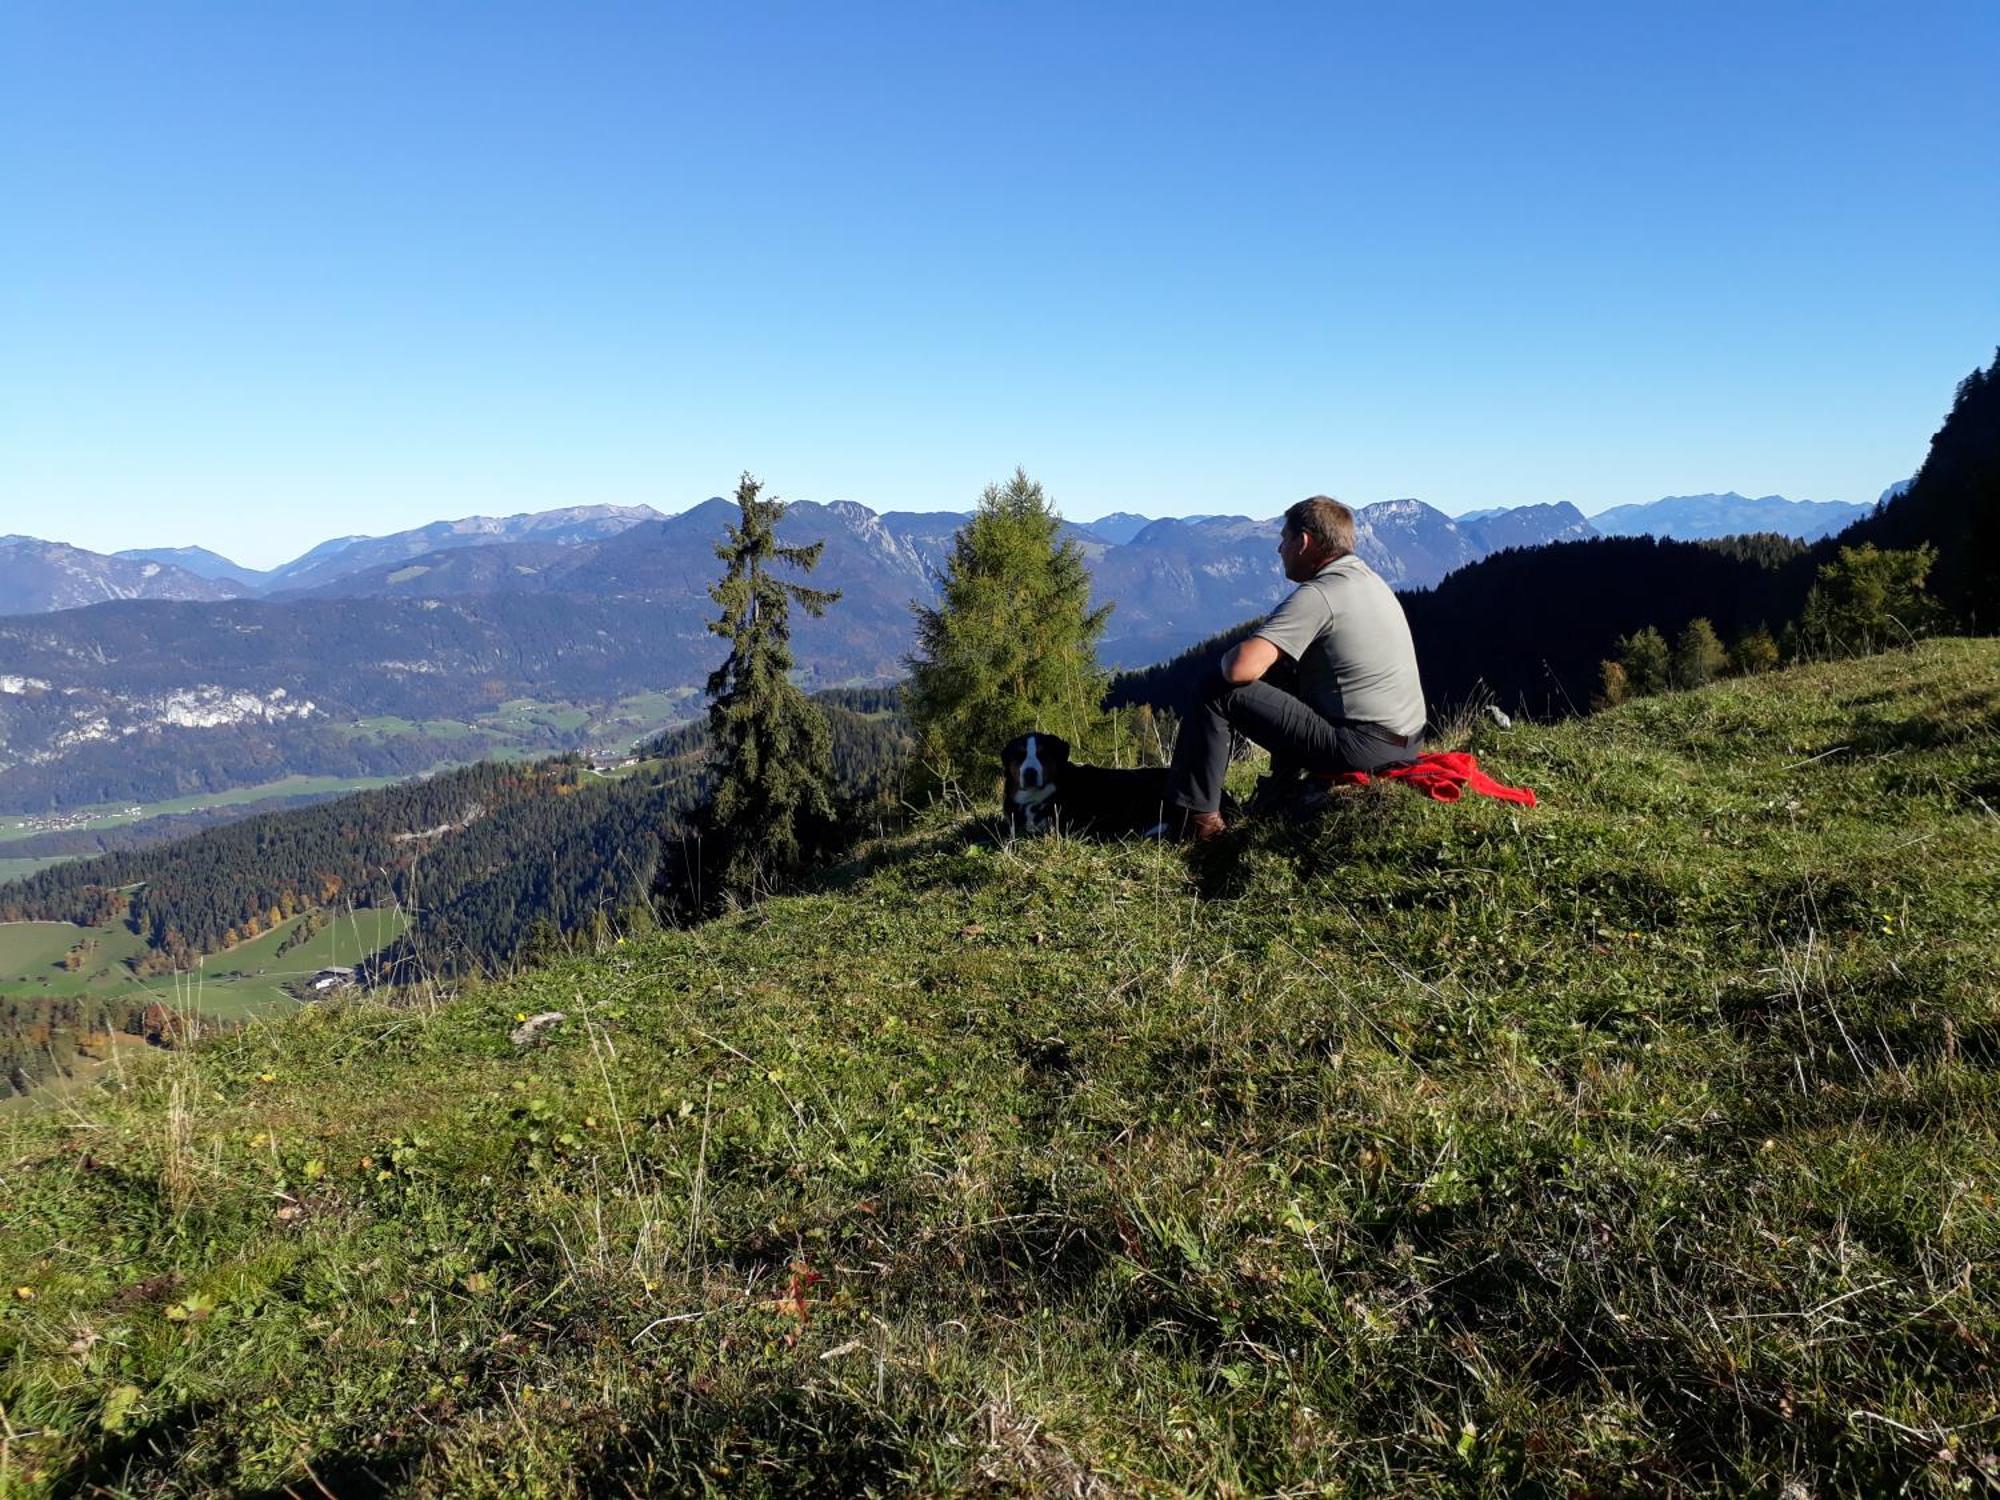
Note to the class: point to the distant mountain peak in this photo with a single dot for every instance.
(1694, 518)
(1527, 526)
(565, 526)
(712, 506)
(1117, 528)
(199, 561)
(37, 577)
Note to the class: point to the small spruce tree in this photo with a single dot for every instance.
(1012, 642)
(1867, 600)
(1754, 652)
(770, 753)
(1698, 655)
(1647, 662)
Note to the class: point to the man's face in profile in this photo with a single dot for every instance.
(1299, 554)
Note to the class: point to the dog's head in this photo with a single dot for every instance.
(1034, 763)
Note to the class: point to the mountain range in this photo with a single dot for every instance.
(1412, 544)
(1701, 518)
(339, 556)
(38, 576)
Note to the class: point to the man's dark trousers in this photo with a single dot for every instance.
(1295, 734)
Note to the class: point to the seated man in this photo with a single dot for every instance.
(1359, 706)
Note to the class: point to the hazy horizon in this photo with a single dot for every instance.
(265, 564)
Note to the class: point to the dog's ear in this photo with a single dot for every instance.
(1014, 751)
(1053, 749)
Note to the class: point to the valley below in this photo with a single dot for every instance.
(71, 995)
(519, 729)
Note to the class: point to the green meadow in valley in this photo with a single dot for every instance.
(1644, 1141)
(71, 1018)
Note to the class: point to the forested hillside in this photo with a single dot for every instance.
(1530, 626)
(471, 864)
(1954, 504)
(478, 856)
(200, 894)
(467, 872)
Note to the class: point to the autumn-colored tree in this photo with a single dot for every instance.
(1613, 687)
(1755, 651)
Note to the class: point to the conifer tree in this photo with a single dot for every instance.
(1012, 643)
(1952, 506)
(1646, 661)
(1867, 600)
(770, 752)
(1698, 655)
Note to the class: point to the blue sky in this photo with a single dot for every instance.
(280, 272)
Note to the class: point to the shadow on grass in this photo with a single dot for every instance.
(1967, 717)
(764, 1439)
(128, 1459)
(1315, 836)
(900, 852)
(154, 1458)
(351, 1476)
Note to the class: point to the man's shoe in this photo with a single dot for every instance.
(1200, 827)
(1189, 827)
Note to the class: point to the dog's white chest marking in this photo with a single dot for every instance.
(1030, 800)
(1034, 788)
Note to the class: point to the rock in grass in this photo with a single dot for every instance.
(530, 1031)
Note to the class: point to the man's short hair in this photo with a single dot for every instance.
(1326, 520)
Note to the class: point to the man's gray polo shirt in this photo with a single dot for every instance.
(1357, 664)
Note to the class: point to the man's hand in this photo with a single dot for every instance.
(1248, 660)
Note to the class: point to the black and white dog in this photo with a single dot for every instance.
(1046, 789)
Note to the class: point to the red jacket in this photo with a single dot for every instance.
(1443, 775)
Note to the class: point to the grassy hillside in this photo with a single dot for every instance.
(1646, 1141)
(56, 1022)
(246, 980)
(31, 957)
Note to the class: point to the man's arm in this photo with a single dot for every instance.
(1248, 660)
(1293, 626)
